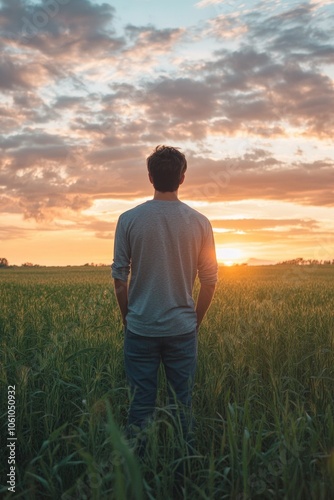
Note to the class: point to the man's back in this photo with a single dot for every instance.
(166, 243)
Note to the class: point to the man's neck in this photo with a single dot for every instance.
(167, 196)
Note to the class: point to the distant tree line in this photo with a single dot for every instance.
(4, 263)
(92, 264)
(299, 261)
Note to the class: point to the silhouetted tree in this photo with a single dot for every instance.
(3, 262)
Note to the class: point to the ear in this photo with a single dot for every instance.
(150, 177)
(182, 178)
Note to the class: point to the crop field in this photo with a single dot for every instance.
(263, 397)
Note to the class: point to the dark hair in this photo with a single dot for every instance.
(166, 166)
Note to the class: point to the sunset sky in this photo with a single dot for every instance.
(89, 88)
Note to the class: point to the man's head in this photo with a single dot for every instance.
(166, 167)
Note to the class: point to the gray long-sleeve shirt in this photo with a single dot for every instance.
(165, 244)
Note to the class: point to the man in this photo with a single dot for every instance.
(165, 244)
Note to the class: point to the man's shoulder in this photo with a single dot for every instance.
(195, 213)
(132, 212)
(146, 210)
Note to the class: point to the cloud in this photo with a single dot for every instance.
(149, 37)
(85, 100)
(12, 76)
(180, 99)
(205, 3)
(271, 84)
(66, 102)
(59, 29)
(46, 175)
(256, 94)
(296, 34)
(292, 233)
(238, 179)
(275, 75)
(262, 224)
(226, 26)
(8, 232)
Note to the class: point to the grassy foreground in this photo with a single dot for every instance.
(263, 399)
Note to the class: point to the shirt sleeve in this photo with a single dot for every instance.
(207, 262)
(120, 267)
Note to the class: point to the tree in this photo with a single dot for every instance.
(3, 262)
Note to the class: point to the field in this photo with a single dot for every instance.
(263, 398)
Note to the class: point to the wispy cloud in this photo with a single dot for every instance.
(205, 3)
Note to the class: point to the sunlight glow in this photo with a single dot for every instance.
(228, 255)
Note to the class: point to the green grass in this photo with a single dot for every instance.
(263, 398)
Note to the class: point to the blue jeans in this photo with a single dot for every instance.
(142, 356)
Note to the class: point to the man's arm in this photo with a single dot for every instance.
(204, 300)
(121, 290)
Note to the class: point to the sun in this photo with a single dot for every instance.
(228, 255)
